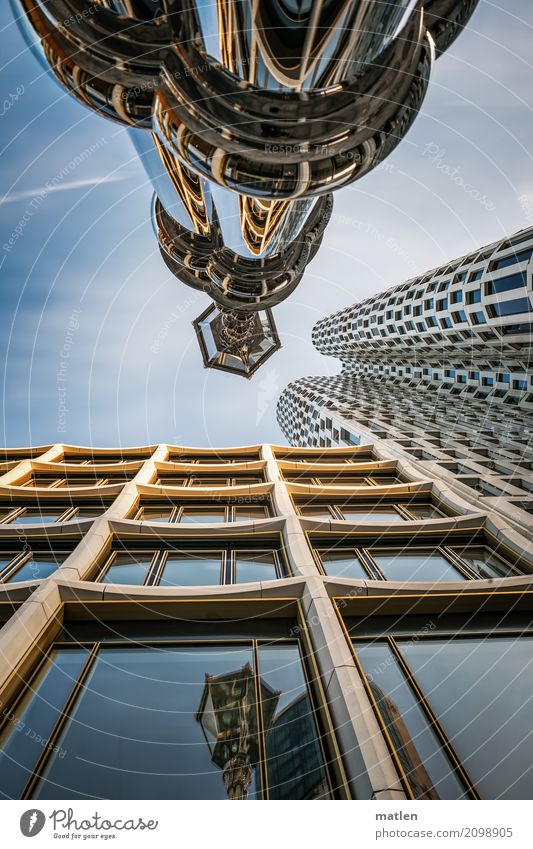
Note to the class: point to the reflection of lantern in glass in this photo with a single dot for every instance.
(228, 714)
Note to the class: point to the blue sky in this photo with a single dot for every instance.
(84, 275)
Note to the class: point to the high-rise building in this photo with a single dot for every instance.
(439, 370)
(257, 622)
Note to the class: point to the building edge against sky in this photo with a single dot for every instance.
(439, 369)
(359, 603)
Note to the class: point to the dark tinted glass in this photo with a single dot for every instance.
(482, 692)
(255, 566)
(342, 564)
(26, 734)
(295, 764)
(424, 761)
(416, 567)
(39, 566)
(191, 569)
(143, 729)
(128, 569)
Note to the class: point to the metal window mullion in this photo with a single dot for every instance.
(59, 724)
(404, 512)
(156, 568)
(228, 570)
(260, 723)
(435, 724)
(69, 513)
(174, 513)
(105, 568)
(371, 565)
(14, 514)
(336, 512)
(459, 564)
(15, 563)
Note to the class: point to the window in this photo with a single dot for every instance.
(128, 568)
(514, 307)
(342, 563)
(485, 562)
(415, 566)
(370, 514)
(456, 296)
(29, 565)
(478, 317)
(442, 304)
(474, 296)
(506, 284)
(202, 515)
(476, 275)
(25, 516)
(512, 259)
(476, 689)
(168, 740)
(192, 566)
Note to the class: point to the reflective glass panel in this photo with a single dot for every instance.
(191, 569)
(482, 693)
(29, 518)
(294, 759)
(144, 727)
(153, 514)
(485, 562)
(248, 514)
(30, 723)
(198, 515)
(128, 569)
(343, 564)
(39, 566)
(320, 511)
(424, 761)
(255, 566)
(416, 567)
(424, 511)
(369, 515)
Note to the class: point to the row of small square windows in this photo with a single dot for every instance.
(440, 286)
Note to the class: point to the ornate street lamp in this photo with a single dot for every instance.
(247, 117)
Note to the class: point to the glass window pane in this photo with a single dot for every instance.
(320, 511)
(30, 723)
(128, 569)
(255, 566)
(485, 562)
(369, 515)
(194, 515)
(417, 567)
(244, 481)
(84, 513)
(424, 761)
(39, 566)
(144, 726)
(343, 564)
(35, 518)
(213, 482)
(171, 481)
(248, 514)
(190, 569)
(424, 511)
(482, 692)
(294, 759)
(156, 514)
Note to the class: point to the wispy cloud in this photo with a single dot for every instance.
(14, 197)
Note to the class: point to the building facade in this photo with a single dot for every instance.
(439, 369)
(258, 622)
